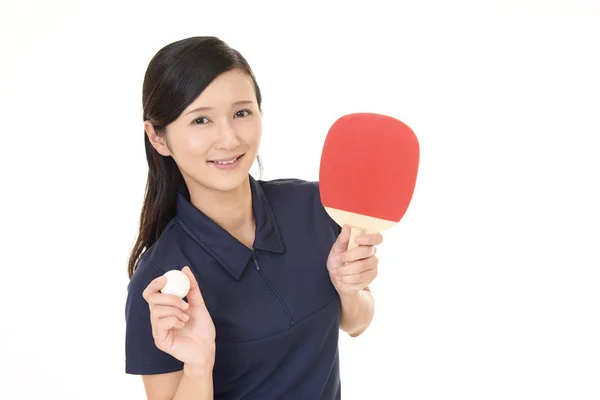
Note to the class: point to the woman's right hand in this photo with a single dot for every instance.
(184, 330)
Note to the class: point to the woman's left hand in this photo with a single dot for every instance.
(353, 270)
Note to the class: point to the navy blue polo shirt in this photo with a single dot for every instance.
(275, 310)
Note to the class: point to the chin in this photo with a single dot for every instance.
(227, 184)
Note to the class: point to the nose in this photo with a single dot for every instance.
(227, 136)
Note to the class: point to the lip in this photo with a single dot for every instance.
(226, 159)
(227, 165)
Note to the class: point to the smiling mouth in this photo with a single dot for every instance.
(226, 161)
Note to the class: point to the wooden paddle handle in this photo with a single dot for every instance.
(354, 232)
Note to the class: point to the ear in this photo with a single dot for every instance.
(158, 142)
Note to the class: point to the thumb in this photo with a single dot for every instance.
(194, 295)
(341, 244)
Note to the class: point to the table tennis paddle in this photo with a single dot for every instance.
(368, 172)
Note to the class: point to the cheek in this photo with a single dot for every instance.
(252, 132)
(198, 144)
(191, 147)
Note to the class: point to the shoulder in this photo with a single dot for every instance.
(142, 276)
(157, 259)
(291, 193)
(286, 194)
(169, 246)
(291, 189)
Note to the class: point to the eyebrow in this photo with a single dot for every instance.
(237, 103)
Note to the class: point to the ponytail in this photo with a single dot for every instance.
(160, 202)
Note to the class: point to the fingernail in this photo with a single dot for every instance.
(185, 305)
(186, 317)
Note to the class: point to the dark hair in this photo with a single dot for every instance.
(175, 77)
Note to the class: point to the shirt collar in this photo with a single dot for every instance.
(226, 249)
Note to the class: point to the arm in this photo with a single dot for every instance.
(352, 281)
(169, 334)
(351, 272)
(357, 312)
(189, 384)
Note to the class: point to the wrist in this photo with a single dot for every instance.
(196, 370)
(357, 312)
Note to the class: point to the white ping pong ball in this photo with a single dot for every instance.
(177, 284)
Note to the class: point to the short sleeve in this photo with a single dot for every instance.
(334, 225)
(142, 357)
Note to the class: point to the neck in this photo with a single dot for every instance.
(231, 210)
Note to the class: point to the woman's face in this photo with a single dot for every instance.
(216, 139)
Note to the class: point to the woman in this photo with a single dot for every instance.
(272, 282)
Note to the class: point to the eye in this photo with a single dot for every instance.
(200, 121)
(242, 113)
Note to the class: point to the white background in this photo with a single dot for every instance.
(489, 288)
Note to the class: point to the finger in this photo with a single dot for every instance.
(159, 312)
(194, 295)
(371, 239)
(166, 299)
(162, 331)
(154, 287)
(341, 244)
(164, 324)
(346, 288)
(356, 267)
(161, 327)
(162, 337)
(358, 253)
(351, 256)
(359, 279)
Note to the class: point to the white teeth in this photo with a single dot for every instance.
(225, 162)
